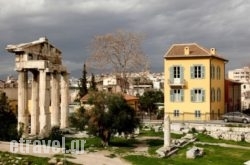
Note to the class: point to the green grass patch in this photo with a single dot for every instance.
(151, 133)
(92, 142)
(122, 142)
(213, 155)
(154, 144)
(10, 158)
(122, 145)
(207, 138)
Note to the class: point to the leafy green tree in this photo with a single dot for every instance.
(110, 114)
(148, 99)
(83, 83)
(78, 119)
(93, 83)
(8, 120)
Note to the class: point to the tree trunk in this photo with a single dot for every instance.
(105, 137)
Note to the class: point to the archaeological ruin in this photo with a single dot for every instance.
(48, 105)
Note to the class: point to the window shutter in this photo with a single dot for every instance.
(202, 71)
(171, 74)
(218, 94)
(172, 95)
(182, 73)
(203, 95)
(192, 95)
(192, 71)
(211, 95)
(212, 71)
(218, 73)
(182, 95)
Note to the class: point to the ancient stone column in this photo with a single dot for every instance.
(167, 139)
(55, 107)
(64, 100)
(23, 102)
(45, 125)
(35, 105)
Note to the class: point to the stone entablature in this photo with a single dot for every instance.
(49, 86)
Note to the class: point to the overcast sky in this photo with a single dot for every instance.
(70, 25)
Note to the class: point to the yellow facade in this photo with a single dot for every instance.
(194, 83)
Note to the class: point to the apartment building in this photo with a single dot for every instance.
(242, 75)
(194, 85)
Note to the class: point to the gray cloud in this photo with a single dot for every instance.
(71, 24)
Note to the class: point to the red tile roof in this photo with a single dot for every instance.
(195, 50)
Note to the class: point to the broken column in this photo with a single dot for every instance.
(167, 138)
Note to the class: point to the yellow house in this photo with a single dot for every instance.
(194, 82)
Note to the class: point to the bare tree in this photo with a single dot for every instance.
(120, 52)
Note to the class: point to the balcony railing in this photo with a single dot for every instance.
(177, 83)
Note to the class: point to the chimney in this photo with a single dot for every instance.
(212, 51)
(186, 50)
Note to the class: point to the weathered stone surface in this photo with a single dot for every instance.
(194, 152)
(44, 61)
(52, 161)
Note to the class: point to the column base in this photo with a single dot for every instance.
(23, 126)
(45, 127)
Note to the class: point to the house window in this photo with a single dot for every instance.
(218, 94)
(176, 113)
(177, 71)
(212, 95)
(176, 74)
(197, 71)
(176, 95)
(212, 72)
(197, 113)
(218, 73)
(197, 95)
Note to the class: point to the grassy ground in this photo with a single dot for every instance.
(213, 155)
(206, 138)
(9, 159)
(125, 147)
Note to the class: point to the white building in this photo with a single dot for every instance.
(242, 75)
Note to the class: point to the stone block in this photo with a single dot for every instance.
(194, 152)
